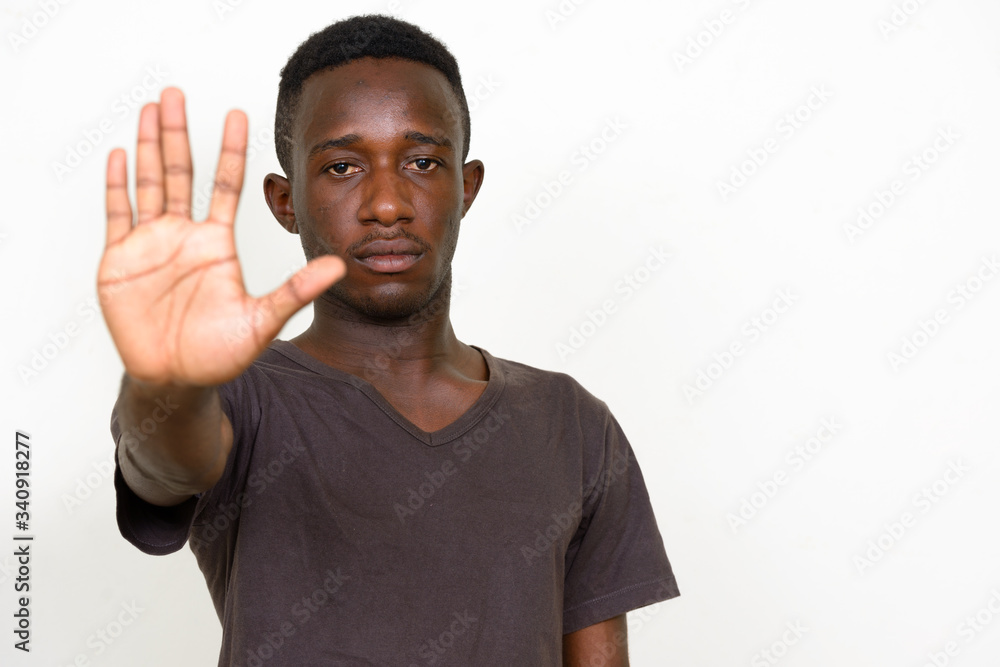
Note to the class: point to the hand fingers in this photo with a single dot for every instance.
(229, 173)
(274, 309)
(116, 199)
(149, 165)
(176, 152)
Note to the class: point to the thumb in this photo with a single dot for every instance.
(274, 309)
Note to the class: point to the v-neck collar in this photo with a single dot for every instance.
(476, 412)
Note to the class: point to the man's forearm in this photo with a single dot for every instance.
(174, 442)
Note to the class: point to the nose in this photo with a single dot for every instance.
(387, 198)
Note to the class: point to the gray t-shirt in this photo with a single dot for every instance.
(342, 534)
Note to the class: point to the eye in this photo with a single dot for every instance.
(424, 164)
(343, 168)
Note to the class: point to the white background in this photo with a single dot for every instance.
(795, 555)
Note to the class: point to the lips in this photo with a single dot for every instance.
(389, 256)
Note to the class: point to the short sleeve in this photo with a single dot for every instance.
(152, 529)
(616, 561)
(157, 530)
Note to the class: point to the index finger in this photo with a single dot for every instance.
(229, 173)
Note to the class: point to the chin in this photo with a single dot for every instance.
(388, 305)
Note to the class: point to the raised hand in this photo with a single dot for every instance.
(171, 289)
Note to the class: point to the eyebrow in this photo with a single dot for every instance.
(348, 139)
(339, 142)
(421, 138)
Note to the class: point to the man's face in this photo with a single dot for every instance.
(378, 181)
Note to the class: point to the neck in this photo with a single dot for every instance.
(384, 350)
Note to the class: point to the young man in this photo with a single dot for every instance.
(374, 491)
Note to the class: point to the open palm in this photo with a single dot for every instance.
(171, 289)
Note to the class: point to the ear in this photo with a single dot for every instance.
(278, 193)
(472, 178)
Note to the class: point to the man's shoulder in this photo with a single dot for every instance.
(546, 385)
